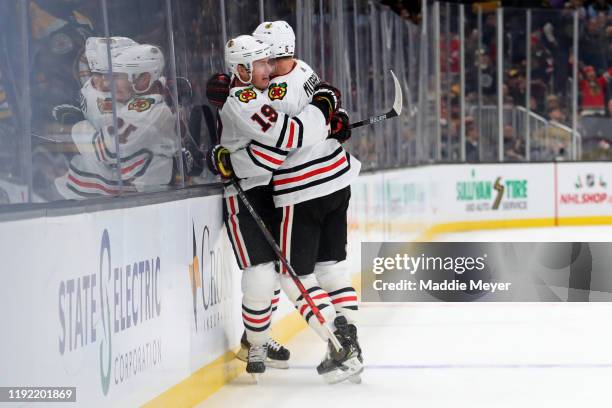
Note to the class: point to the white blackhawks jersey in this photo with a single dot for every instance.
(148, 143)
(263, 135)
(312, 171)
(97, 106)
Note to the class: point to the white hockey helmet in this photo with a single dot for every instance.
(138, 59)
(245, 49)
(97, 54)
(279, 35)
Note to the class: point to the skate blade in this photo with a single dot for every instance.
(356, 379)
(278, 364)
(350, 368)
(255, 377)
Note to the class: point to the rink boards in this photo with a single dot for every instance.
(121, 304)
(425, 201)
(142, 304)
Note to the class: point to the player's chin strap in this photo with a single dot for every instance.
(268, 236)
(249, 71)
(162, 81)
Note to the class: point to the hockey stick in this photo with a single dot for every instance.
(395, 111)
(268, 236)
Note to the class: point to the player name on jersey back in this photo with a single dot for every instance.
(309, 85)
(312, 171)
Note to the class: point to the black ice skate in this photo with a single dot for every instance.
(352, 332)
(256, 361)
(346, 363)
(278, 356)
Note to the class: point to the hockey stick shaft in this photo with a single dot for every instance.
(270, 239)
(374, 119)
(395, 111)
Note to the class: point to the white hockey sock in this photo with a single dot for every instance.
(320, 298)
(258, 283)
(334, 279)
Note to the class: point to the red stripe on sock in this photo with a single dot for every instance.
(344, 299)
(250, 319)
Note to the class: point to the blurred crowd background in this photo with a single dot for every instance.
(467, 96)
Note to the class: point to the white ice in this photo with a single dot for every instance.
(457, 354)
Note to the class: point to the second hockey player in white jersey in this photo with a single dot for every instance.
(311, 189)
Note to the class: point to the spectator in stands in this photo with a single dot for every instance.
(559, 138)
(487, 72)
(577, 5)
(592, 92)
(517, 84)
(601, 151)
(552, 103)
(58, 31)
(542, 60)
(557, 4)
(553, 141)
(534, 106)
(557, 115)
(600, 7)
(513, 146)
(472, 154)
(609, 44)
(591, 42)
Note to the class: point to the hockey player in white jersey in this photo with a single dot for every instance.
(96, 105)
(321, 170)
(146, 130)
(247, 118)
(312, 184)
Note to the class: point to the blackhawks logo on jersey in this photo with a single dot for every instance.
(277, 91)
(246, 95)
(105, 105)
(141, 104)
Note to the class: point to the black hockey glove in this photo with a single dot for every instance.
(340, 126)
(327, 99)
(67, 115)
(218, 161)
(217, 89)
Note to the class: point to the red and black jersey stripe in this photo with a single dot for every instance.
(345, 158)
(267, 157)
(310, 163)
(293, 131)
(88, 184)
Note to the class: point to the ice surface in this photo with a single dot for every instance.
(457, 355)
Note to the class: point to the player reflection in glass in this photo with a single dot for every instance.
(146, 127)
